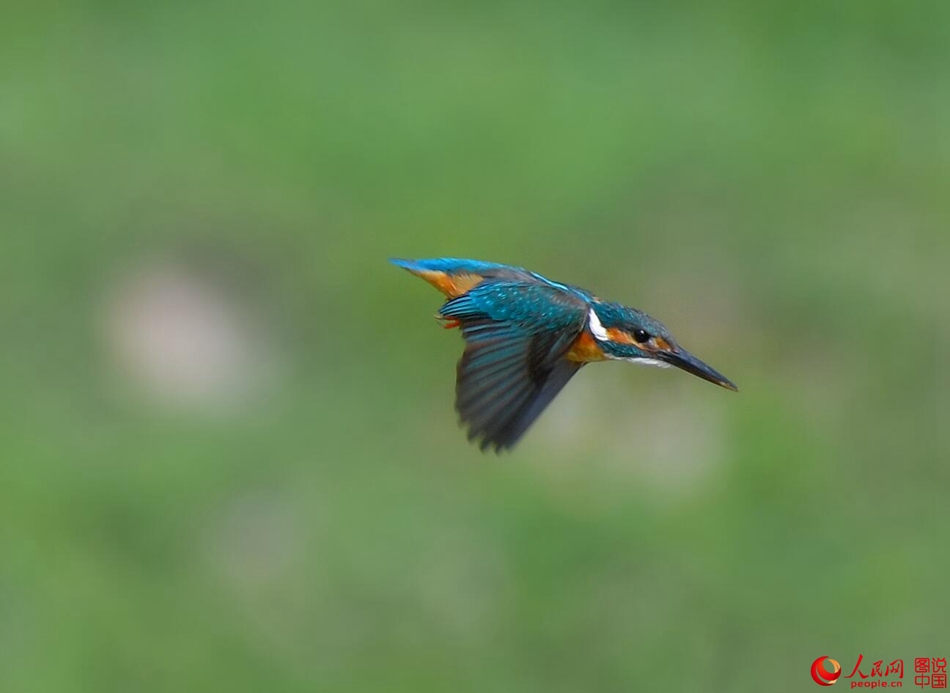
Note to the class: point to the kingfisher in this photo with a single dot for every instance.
(526, 336)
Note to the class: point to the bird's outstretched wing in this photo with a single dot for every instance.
(517, 334)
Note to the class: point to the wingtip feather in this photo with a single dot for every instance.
(399, 262)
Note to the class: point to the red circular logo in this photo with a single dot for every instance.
(825, 671)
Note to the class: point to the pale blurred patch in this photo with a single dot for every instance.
(185, 341)
(678, 442)
(665, 440)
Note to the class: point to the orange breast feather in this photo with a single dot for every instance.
(585, 349)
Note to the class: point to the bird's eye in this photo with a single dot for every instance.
(641, 336)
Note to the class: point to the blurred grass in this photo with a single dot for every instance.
(767, 178)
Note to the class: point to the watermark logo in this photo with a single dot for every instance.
(929, 672)
(825, 671)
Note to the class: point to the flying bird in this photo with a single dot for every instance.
(526, 336)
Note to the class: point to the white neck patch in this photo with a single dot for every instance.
(649, 362)
(596, 327)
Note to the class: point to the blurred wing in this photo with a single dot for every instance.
(517, 334)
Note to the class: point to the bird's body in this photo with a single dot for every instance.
(526, 336)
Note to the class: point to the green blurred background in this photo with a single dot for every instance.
(229, 459)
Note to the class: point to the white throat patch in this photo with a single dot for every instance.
(649, 362)
(596, 327)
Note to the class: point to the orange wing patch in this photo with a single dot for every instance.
(452, 285)
(585, 349)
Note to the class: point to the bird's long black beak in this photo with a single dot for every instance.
(684, 360)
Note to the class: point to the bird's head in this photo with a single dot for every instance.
(627, 334)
